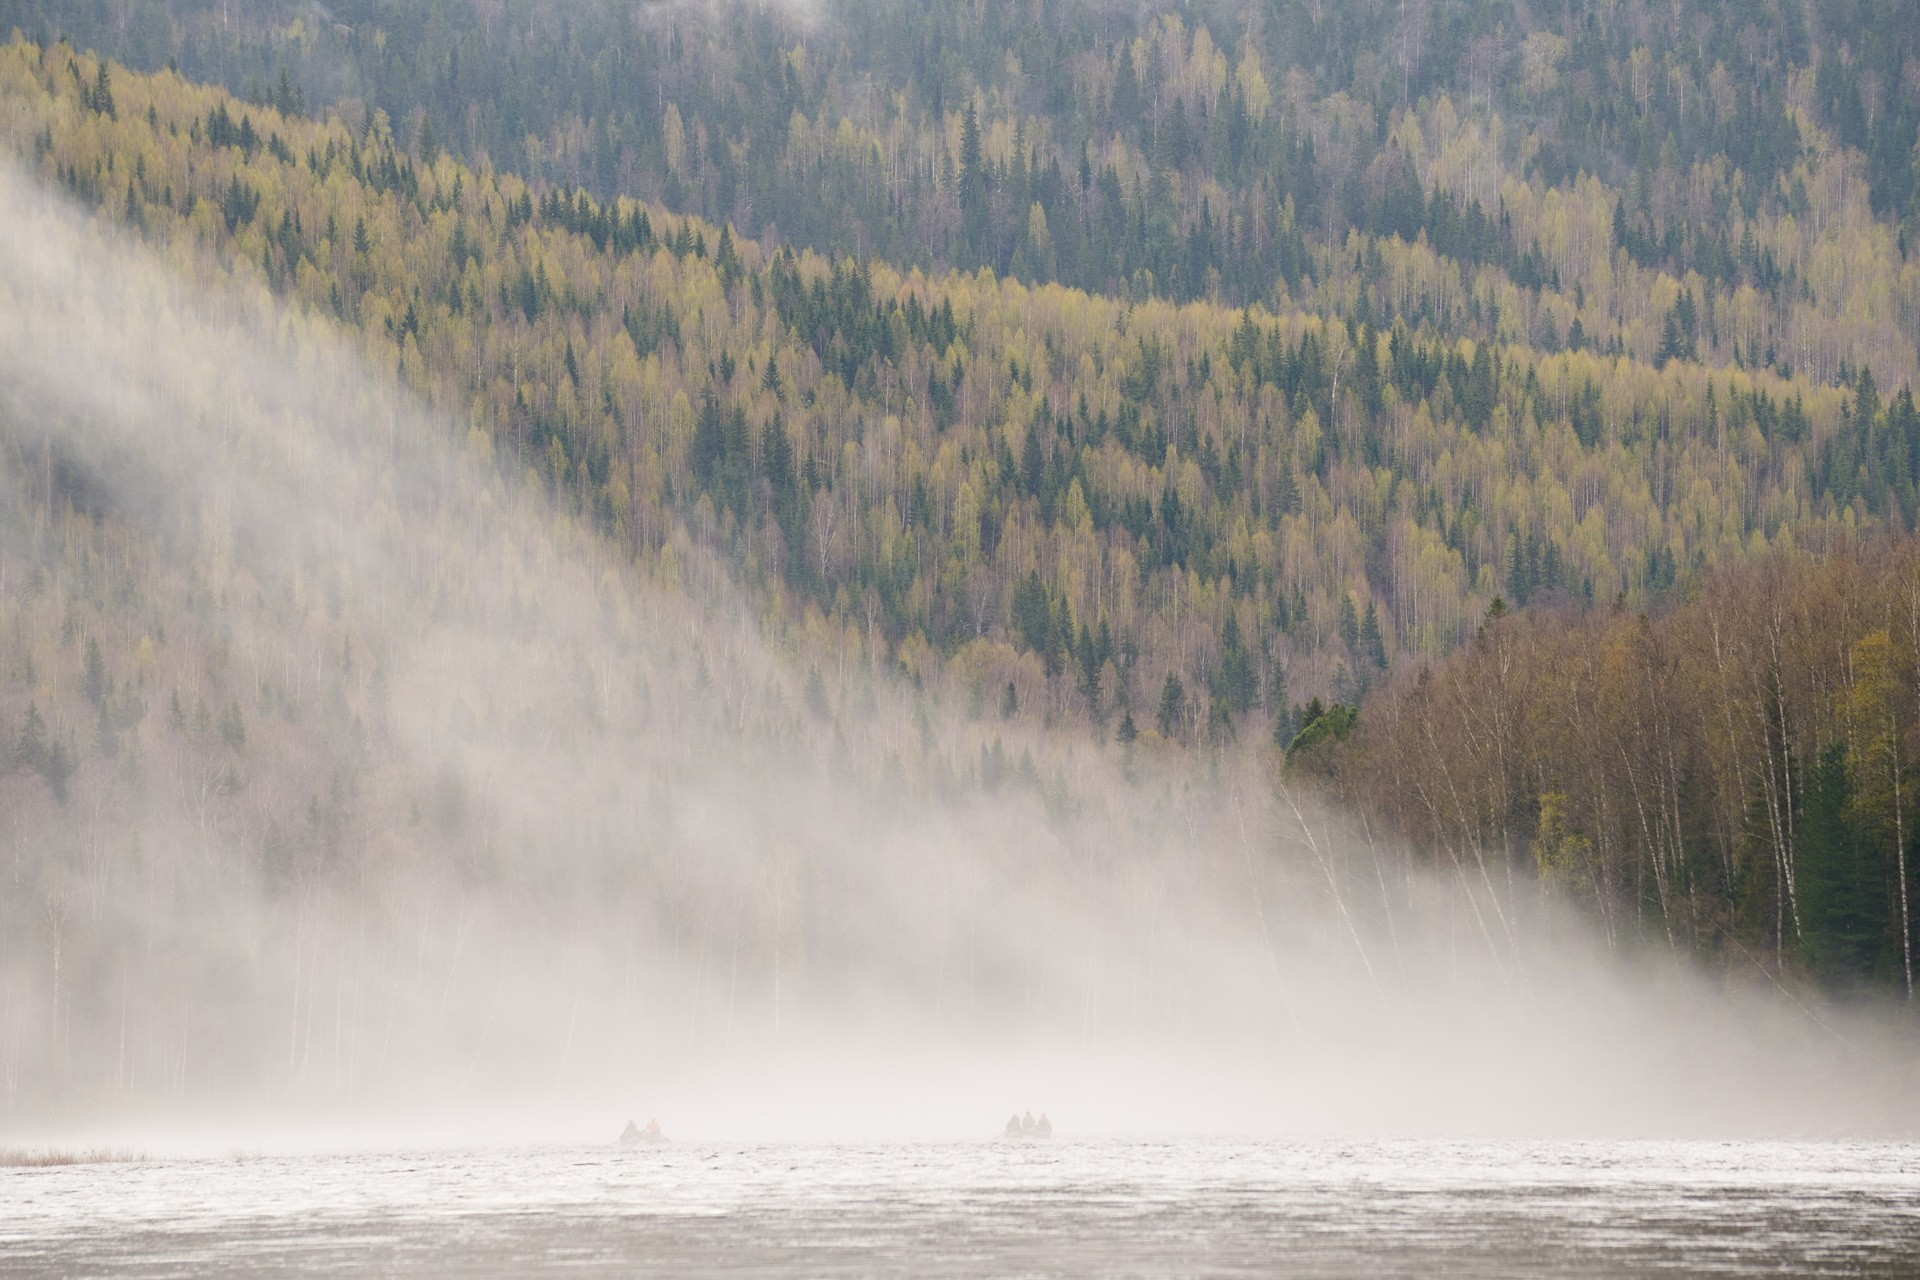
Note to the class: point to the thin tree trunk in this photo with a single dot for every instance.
(1900, 861)
(1786, 771)
(1899, 821)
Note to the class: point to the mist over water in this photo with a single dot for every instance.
(525, 839)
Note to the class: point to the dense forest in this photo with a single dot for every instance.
(1558, 176)
(1735, 772)
(1307, 375)
(1185, 517)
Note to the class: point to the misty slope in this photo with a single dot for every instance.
(460, 814)
(1036, 499)
(482, 783)
(339, 763)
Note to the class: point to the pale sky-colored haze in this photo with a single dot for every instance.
(552, 842)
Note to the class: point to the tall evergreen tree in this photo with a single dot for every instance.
(1173, 704)
(1843, 891)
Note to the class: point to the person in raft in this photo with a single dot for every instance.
(633, 1134)
(1027, 1127)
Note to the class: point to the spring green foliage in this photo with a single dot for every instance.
(1191, 151)
(987, 482)
(1162, 358)
(1321, 730)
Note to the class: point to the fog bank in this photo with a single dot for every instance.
(409, 810)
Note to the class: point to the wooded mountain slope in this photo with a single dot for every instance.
(1551, 175)
(324, 748)
(1052, 501)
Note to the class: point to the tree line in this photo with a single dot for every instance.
(1733, 772)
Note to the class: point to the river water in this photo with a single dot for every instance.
(1066, 1207)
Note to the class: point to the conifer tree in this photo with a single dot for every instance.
(1173, 702)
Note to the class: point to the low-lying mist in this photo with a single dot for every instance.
(398, 807)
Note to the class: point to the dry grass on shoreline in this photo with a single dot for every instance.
(49, 1157)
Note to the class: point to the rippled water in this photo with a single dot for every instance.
(1067, 1207)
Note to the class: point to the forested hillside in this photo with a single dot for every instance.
(1728, 181)
(1737, 773)
(711, 507)
(324, 747)
(1180, 518)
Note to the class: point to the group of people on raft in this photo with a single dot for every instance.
(1026, 1126)
(1018, 1126)
(634, 1133)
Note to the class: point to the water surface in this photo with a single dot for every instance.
(961, 1209)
